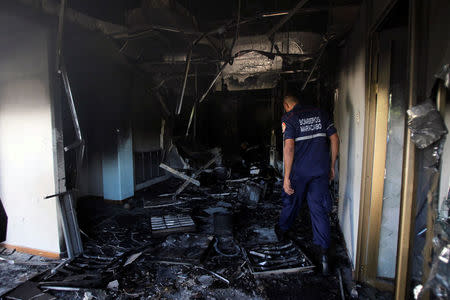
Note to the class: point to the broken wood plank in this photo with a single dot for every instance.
(179, 174)
(190, 180)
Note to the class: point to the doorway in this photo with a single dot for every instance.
(386, 134)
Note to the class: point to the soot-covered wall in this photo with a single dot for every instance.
(229, 119)
(111, 96)
(349, 120)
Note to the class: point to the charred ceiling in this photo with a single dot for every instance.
(242, 44)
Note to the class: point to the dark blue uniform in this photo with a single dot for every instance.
(310, 128)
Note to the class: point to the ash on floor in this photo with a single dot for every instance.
(129, 263)
(17, 268)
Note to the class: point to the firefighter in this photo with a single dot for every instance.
(308, 167)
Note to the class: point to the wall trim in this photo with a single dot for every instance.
(32, 251)
(116, 201)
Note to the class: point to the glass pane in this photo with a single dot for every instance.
(393, 170)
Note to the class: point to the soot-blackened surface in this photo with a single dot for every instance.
(118, 232)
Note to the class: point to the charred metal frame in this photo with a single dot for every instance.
(60, 33)
(69, 218)
(70, 225)
(316, 63)
(205, 94)
(286, 18)
(213, 82)
(237, 54)
(79, 143)
(72, 108)
(186, 73)
(188, 63)
(408, 192)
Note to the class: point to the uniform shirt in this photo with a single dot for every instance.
(310, 128)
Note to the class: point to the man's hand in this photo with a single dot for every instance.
(334, 142)
(332, 173)
(287, 187)
(288, 157)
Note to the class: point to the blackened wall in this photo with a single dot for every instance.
(110, 94)
(229, 119)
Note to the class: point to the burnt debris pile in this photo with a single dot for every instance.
(207, 232)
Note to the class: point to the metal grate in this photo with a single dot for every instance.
(276, 258)
(172, 223)
(146, 165)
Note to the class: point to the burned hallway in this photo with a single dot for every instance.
(144, 146)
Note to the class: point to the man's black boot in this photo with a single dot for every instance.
(281, 234)
(324, 262)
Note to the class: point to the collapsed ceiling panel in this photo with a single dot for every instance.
(258, 62)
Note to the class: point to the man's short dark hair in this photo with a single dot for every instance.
(291, 97)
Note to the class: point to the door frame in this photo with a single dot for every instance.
(370, 211)
(380, 99)
(369, 226)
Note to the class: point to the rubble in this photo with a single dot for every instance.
(25, 267)
(275, 258)
(29, 290)
(199, 252)
(426, 124)
(179, 174)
